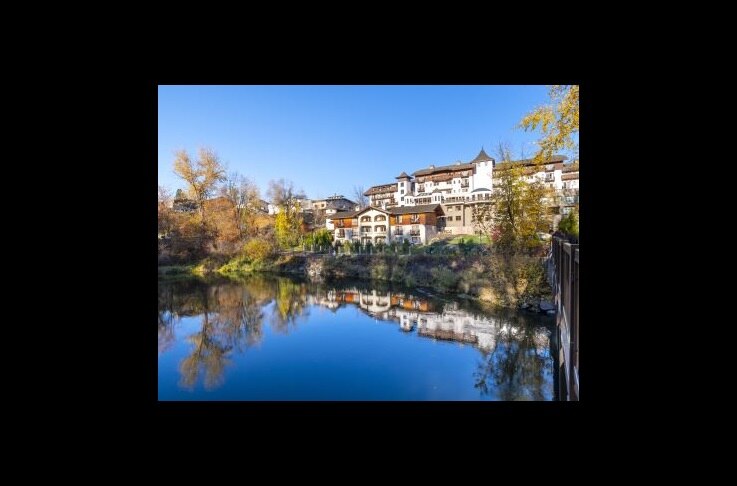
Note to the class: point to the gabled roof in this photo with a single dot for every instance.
(481, 157)
(425, 208)
(368, 208)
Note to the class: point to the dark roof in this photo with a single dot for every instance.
(403, 174)
(570, 167)
(342, 215)
(529, 162)
(443, 168)
(481, 157)
(381, 188)
(481, 189)
(425, 208)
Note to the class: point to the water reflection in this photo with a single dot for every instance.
(514, 361)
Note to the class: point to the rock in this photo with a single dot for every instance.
(550, 312)
(546, 306)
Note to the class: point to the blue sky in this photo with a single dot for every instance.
(327, 139)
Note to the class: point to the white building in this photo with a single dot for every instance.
(459, 187)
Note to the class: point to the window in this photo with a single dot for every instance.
(341, 233)
(402, 192)
(365, 218)
(402, 199)
(399, 219)
(458, 218)
(415, 218)
(380, 217)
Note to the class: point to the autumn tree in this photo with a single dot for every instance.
(201, 175)
(288, 221)
(244, 196)
(165, 218)
(557, 121)
(358, 195)
(518, 209)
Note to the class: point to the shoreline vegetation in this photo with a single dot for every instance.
(500, 280)
(236, 234)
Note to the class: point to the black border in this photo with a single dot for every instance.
(137, 251)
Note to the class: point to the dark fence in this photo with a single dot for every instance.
(563, 275)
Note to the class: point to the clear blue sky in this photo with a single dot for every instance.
(327, 139)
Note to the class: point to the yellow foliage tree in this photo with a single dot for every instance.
(558, 122)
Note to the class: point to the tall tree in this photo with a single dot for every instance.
(358, 195)
(288, 223)
(244, 195)
(201, 175)
(281, 192)
(518, 209)
(557, 121)
(165, 218)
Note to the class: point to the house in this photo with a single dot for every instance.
(416, 224)
(333, 204)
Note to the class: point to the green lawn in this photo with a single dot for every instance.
(469, 238)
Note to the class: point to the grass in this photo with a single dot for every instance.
(483, 239)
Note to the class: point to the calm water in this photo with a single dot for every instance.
(275, 338)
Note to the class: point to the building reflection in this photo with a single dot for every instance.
(446, 321)
(515, 359)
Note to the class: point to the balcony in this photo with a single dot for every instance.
(398, 232)
(414, 232)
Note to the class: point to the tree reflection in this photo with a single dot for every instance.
(516, 368)
(231, 320)
(209, 354)
(290, 304)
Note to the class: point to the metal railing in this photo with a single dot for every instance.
(563, 275)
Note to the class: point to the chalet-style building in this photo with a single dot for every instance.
(416, 224)
(461, 186)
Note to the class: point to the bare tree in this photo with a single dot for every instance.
(244, 195)
(504, 151)
(201, 175)
(281, 192)
(361, 199)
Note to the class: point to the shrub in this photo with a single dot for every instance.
(445, 279)
(569, 224)
(257, 249)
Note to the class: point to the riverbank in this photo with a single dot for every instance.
(502, 281)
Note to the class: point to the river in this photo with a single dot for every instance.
(279, 338)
